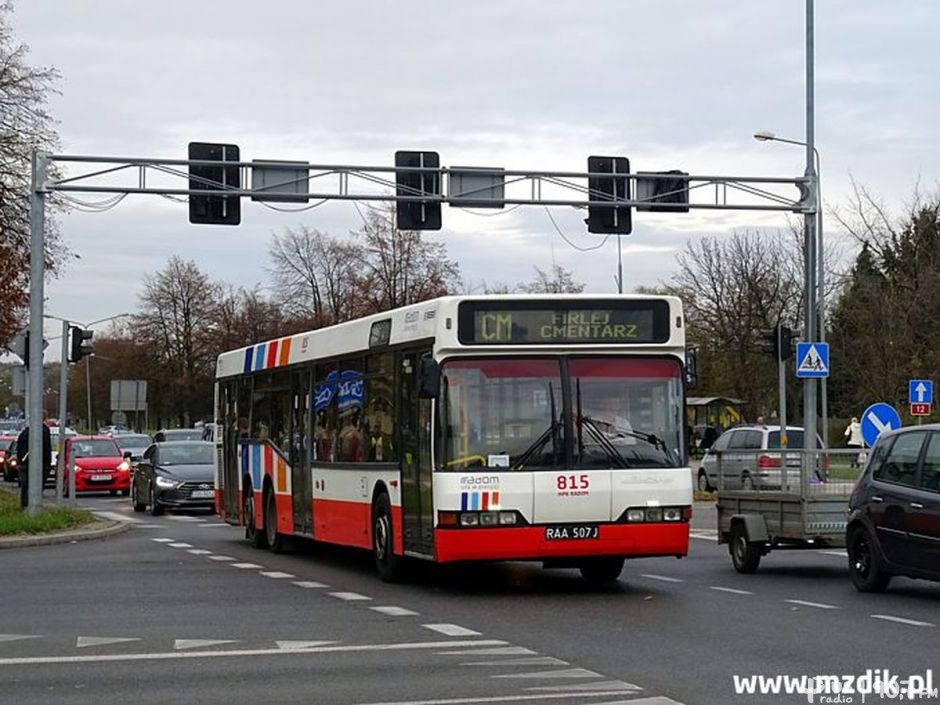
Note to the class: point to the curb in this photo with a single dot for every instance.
(96, 530)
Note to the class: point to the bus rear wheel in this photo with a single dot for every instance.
(387, 564)
(274, 539)
(601, 570)
(255, 537)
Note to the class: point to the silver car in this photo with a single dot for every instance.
(749, 458)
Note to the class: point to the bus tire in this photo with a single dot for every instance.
(605, 569)
(275, 540)
(387, 564)
(255, 538)
(745, 555)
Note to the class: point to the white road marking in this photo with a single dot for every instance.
(84, 641)
(659, 700)
(162, 540)
(840, 554)
(275, 574)
(301, 645)
(199, 552)
(498, 651)
(820, 605)
(17, 637)
(511, 698)
(451, 629)
(733, 591)
(704, 534)
(310, 584)
(170, 655)
(351, 596)
(199, 643)
(902, 620)
(245, 566)
(530, 661)
(564, 673)
(186, 519)
(149, 526)
(663, 578)
(117, 516)
(392, 611)
(621, 686)
(221, 558)
(180, 544)
(213, 525)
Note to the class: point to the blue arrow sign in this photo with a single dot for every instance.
(812, 359)
(920, 391)
(877, 418)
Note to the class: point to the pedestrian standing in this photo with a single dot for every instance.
(853, 436)
(22, 456)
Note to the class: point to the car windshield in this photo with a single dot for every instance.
(189, 454)
(133, 442)
(97, 448)
(617, 412)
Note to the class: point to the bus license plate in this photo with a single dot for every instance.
(571, 532)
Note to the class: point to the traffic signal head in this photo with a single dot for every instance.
(418, 215)
(609, 219)
(80, 344)
(787, 335)
(214, 210)
(770, 344)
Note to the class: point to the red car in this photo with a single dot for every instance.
(8, 457)
(98, 464)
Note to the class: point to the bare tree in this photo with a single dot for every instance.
(314, 275)
(398, 266)
(178, 312)
(25, 125)
(732, 289)
(560, 281)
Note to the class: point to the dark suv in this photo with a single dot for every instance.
(894, 513)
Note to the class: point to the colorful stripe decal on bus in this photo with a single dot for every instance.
(479, 500)
(259, 459)
(265, 356)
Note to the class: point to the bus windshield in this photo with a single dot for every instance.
(536, 413)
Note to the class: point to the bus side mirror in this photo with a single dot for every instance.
(691, 367)
(429, 378)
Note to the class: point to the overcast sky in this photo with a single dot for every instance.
(540, 84)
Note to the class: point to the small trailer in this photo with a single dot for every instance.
(805, 508)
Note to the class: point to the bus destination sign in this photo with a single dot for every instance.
(538, 322)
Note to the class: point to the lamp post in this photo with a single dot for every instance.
(766, 136)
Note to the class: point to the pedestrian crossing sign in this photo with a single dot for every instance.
(812, 359)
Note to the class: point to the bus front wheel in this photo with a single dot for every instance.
(255, 537)
(387, 564)
(274, 539)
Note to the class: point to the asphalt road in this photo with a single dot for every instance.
(181, 610)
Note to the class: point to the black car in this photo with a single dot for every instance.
(894, 513)
(174, 474)
(178, 434)
(133, 443)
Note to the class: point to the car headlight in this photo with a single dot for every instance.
(124, 466)
(166, 482)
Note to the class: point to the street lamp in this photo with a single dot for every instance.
(88, 366)
(767, 136)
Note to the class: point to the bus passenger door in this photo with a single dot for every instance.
(415, 443)
(231, 458)
(301, 482)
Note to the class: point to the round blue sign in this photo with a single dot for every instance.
(877, 418)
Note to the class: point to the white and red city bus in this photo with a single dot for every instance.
(466, 428)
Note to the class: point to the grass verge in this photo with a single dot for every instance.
(13, 520)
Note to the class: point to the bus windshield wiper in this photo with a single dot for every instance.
(603, 441)
(550, 433)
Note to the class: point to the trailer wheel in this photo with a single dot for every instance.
(744, 554)
(867, 575)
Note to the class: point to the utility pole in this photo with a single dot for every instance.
(37, 261)
(809, 226)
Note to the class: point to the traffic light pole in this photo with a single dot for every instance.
(63, 411)
(37, 223)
